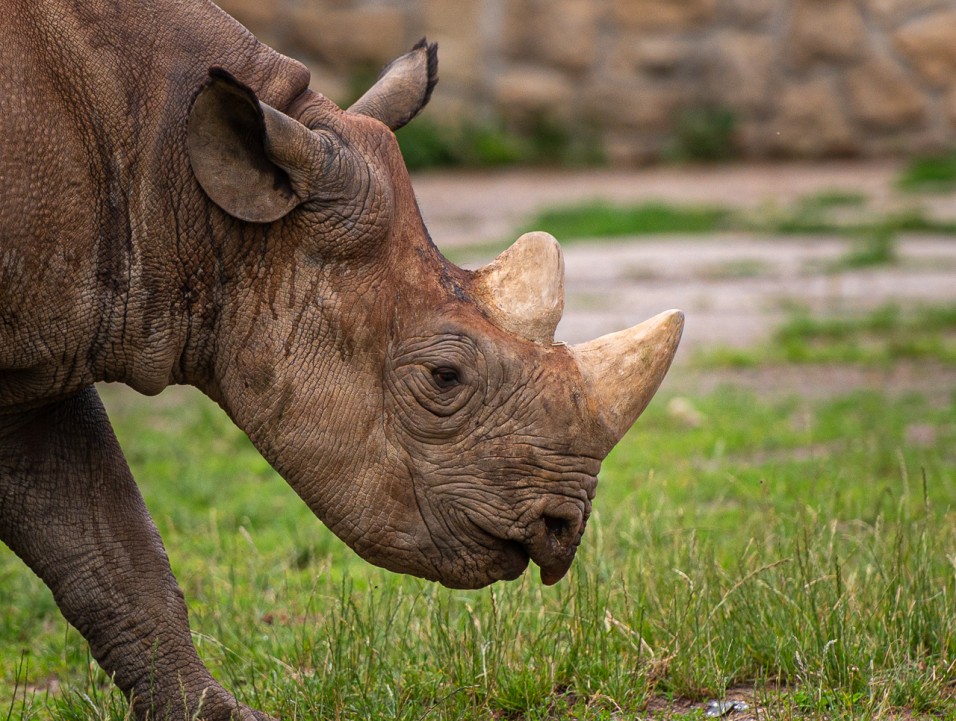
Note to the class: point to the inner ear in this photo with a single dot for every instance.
(227, 147)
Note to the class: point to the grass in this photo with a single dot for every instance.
(931, 173)
(872, 247)
(816, 214)
(704, 134)
(426, 144)
(802, 549)
(879, 337)
(871, 237)
(602, 220)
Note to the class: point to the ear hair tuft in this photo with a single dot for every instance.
(403, 87)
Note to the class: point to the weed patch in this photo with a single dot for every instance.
(604, 220)
(872, 247)
(933, 173)
(818, 214)
(704, 135)
(878, 338)
(426, 144)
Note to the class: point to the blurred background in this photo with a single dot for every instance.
(634, 81)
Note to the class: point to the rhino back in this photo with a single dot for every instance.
(102, 226)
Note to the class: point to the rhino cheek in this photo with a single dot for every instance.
(430, 537)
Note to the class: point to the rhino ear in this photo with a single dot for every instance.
(246, 155)
(403, 87)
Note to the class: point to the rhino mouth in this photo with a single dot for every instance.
(553, 566)
(516, 561)
(551, 545)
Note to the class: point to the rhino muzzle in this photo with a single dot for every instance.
(522, 291)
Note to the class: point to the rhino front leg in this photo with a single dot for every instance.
(70, 509)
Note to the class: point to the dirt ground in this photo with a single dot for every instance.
(735, 288)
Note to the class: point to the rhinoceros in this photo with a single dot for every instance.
(178, 207)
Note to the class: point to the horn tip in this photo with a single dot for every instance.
(673, 317)
(623, 370)
(538, 242)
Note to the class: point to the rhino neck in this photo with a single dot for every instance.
(120, 270)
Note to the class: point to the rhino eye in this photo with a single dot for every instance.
(441, 375)
(446, 378)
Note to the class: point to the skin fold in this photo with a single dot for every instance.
(178, 207)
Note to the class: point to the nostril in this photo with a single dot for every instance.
(563, 530)
(556, 526)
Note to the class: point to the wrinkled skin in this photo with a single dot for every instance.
(300, 291)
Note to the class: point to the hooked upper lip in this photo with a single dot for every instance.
(552, 568)
(554, 548)
(552, 545)
(550, 540)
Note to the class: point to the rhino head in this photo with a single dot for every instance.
(422, 411)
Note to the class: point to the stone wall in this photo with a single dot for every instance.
(800, 78)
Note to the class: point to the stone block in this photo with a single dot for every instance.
(643, 15)
(348, 37)
(810, 122)
(563, 35)
(452, 18)
(524, 93)
(633, 106)
(891, 13)
(930, 46)
(742, 74)
(951, 106)
(825, 30)
(752, 138)
(750, 14)
(517, 30)
(659, 55)
(454, 106)
(628, 148)
(881, 95)
(461, 63)
(464, 52)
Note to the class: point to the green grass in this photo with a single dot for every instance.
(810, 214)
(872, 247)
(871, 237)
(931, 173)
(601, 220)
(704, 134)
(880, 337)
(816, 214)
(426, 144)
(801, 548)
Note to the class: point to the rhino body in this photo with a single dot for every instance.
(177, 207)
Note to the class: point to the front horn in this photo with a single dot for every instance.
(623, 370)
